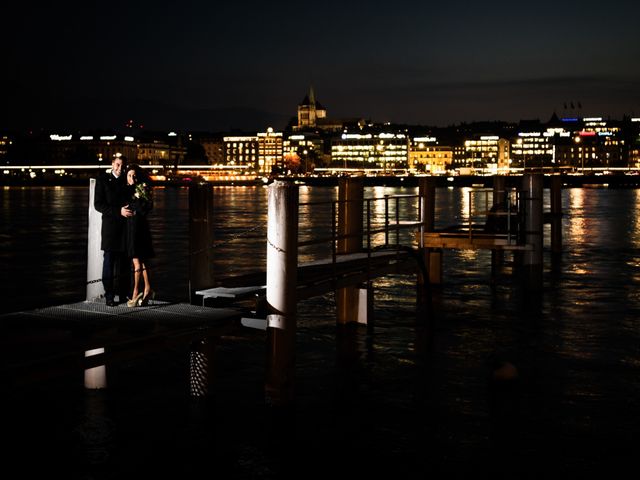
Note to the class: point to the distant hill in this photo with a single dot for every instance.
(88, 114)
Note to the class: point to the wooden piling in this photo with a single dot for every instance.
(499, 200)
(200, 238)
(282, 264)
(556, 214)
(432, 256)
(350, 231)
(532, 189)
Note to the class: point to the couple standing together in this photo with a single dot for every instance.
(124, 202)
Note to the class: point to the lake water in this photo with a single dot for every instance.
(392, 403)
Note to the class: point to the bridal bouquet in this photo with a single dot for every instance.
(142, 191)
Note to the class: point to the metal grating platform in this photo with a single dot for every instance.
(55, 338)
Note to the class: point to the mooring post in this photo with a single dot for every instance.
(556, 214)
(499, 208)
(350, 215)
(282, 270)
(95, 288)
(432, 256)
(532, 257)
(200, 238)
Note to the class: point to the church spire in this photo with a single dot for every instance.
(312, 96)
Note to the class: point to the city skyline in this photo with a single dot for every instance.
(249, 66)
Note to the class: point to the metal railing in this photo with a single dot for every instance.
(500, 212)
(380, 225)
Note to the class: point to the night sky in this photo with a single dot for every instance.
(208, 66)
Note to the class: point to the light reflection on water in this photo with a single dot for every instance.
(576, 349)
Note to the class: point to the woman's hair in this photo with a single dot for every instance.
(141, 175)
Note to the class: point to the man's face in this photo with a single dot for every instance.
(116, 166)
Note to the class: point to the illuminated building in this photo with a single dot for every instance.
(310, 111)
(483, 154)
(4, 145)
(269, 151)
(634, 143)
(303, 152)
(368, 152)
(89, 149)
(241, 150)
(594, 143)
(155, 152)
(533, 150)
(425, 155)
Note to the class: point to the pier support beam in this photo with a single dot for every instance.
(556, 214)
(95, 288)
(532, 189)
(432, 257)
(499, 201)
(282, 269)
(200, 238)
(350, 216)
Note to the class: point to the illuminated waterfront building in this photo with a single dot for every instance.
(634, 143)
(241, 151)
(533, 150)
(425, 155)
(156, 152)
(592, 143)
(303, 152)
(5, 142)
(368, 152)
(482, 154)
(269, 151)
(63, 149)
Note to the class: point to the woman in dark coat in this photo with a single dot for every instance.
(138, 235)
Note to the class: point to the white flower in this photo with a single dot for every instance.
(141, 191)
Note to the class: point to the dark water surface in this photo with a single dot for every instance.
(391, 403)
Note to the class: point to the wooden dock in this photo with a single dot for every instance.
(471, 241)
(52, 341)
(56, 340)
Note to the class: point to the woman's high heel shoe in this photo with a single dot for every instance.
(145, 300)
(134, 301)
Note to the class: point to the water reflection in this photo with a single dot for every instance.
(576, 353)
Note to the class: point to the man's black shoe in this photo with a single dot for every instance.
(111, 303)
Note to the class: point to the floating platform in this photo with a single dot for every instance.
(473, 241)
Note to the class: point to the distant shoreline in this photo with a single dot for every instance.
(568, 181)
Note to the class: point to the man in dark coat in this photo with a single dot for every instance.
(110, 200)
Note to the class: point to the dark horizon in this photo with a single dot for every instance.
(416, 64)
(139, 116)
